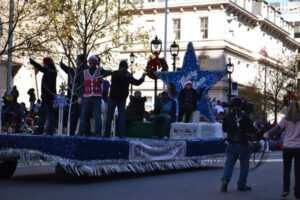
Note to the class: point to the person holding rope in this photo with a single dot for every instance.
(48, 93)
(291, 147)
(237, 125)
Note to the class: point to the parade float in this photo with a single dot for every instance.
(190, 145)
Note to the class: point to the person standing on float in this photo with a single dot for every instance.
(48, 93)
(120, 81)
(90, 96)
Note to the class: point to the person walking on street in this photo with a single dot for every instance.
(237, 125)
(48, 93)
(120, 81)
(90, 96)
(291, 147)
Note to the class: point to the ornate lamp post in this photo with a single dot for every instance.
(174, 49)
(132, 57)
(155, 47)
(230, 68)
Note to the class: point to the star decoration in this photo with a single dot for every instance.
(200, 79)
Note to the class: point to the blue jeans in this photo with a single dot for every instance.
(112, 104)
(86, 109)
(234, 152)
(161, 119)
(46, 111)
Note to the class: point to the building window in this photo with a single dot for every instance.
(204, 27)
(203, 60)
(176, 28)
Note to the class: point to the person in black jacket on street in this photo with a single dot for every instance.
(75, 73)
(187, 99)
(120, 81)
(238, 127)
(48, 94)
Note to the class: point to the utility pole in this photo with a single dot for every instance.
(10, 43)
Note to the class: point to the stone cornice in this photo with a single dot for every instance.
(159, 8)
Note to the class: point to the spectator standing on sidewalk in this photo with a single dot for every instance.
(291, 147)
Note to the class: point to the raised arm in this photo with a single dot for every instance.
(37, 66)
(134, 81)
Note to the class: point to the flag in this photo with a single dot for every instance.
(264, 51)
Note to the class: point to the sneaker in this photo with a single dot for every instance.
(246, 188)
(284, 194)
(224, 186)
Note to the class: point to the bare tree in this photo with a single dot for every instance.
(277, 78)
(29, 27)
(98, 26)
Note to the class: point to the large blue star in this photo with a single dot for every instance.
(200, 79)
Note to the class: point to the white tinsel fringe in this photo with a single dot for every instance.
(105, 167)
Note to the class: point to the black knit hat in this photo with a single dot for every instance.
(123, 64)
(236, 101)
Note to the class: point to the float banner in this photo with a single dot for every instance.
(156, 150)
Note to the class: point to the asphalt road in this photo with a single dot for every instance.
(40, 183)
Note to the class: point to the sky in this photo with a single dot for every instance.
(270, 1)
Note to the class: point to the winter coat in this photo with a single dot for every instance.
(119, 85)
(48, 89)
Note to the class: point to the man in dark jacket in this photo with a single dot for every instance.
(187, 99)
(238, 126)
(165, 108)
(120, 81)
(75, 74)
(48, 94)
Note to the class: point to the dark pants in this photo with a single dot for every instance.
(46, 111)
(234, 152)
(157, 121)
(112, 104)
(288, 155)
(186, 109)
(90, 103)
(75, 115)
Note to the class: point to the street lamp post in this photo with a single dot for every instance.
(132, 57)
(174, 49)
(230, 68)
(155, 48)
